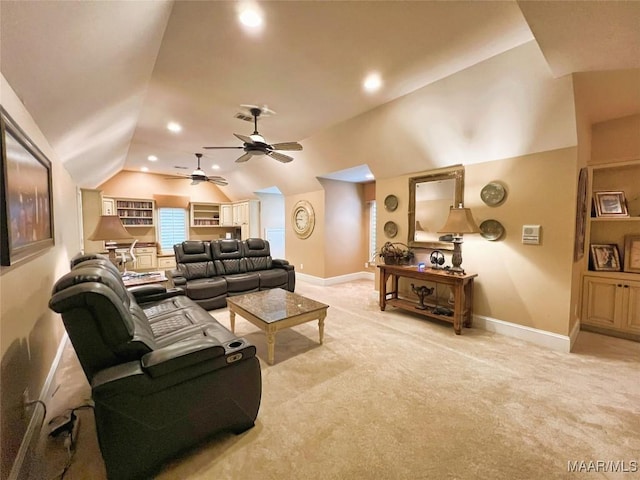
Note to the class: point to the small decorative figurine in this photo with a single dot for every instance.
(421, 292)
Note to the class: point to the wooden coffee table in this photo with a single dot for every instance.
(274, 310)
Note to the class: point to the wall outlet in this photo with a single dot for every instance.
(301, 267)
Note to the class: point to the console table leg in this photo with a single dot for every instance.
(232, 320)
(321, 328)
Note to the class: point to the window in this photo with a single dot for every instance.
(372, 231)
(172, 227)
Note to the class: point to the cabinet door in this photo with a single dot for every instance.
(226, 215)
(146, 258)
(601, 302)
(108, 206)
(632, 301)
(240, 213)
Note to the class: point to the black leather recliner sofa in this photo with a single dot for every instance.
(164, 374)
(209, 271)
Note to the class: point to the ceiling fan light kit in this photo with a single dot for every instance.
(256, 145)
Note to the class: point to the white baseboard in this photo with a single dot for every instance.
(335, 280)
(31, 436)
(550, 340)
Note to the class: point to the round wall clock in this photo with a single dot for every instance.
(303, 219)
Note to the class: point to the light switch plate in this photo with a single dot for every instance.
(531, 234)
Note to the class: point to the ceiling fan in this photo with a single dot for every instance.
(255, 144)
(198, 176)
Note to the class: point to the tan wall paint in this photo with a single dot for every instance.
(308, 252)
(522, 284)
(616, 140)
(29, 332)
(345, 235)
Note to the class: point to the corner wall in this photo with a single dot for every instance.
(30, 333)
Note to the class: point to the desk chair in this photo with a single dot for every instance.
(125, 256)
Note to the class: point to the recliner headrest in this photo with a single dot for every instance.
(255, 243)
(193, 246)
(229, 246)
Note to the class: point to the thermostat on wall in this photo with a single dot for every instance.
(531, 234)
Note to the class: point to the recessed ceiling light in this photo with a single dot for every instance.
(372, 82)
(251, 17)
(152, 158)
(174, 127)
(145, 169)
(215, 167)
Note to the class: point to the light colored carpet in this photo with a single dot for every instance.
(392, 395)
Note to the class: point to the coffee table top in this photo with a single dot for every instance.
(275, 304)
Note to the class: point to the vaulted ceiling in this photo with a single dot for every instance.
(102, 79)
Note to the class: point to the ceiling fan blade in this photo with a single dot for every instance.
(244, 138)
(221, 148)
(281, 157)
(244, 157)
(221, 182)
(287, 146)
(176, 178)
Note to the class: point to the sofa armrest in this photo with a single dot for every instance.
(177, 278)
(180, 355)
(280, 263)
(153, 293)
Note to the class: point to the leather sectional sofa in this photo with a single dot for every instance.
(164, 374)
(209, 271)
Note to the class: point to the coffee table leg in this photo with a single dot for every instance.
(271, 346)
(232, 320)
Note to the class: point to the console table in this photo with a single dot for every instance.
(461, 286)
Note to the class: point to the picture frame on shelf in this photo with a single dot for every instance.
(26, 222)
(632, 253)
(610, 204)
(605, 257)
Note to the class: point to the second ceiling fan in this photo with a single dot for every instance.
(255, 143)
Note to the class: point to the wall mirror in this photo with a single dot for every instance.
(430, 198)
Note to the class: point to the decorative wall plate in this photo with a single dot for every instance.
(493, 193)
(390, 203)
(391, 229)
(491, 230)
(303, 219)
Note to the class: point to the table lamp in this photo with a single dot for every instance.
(109, 229)
(458, 223)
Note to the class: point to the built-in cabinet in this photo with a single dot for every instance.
(612, 304)
(134, 212)
(611, 299)
(146, 258)
(243, 215)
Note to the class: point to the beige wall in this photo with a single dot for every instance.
(30, 333)
(307, 255)
(616, 140)
(345, 230)
(524, 284)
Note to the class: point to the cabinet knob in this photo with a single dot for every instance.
(626, 286)
(619, 285)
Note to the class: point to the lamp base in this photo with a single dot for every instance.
(456, 258)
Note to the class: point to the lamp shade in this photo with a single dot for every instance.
(459, 222)
(110, 228)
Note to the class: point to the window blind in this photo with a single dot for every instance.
(172, 227)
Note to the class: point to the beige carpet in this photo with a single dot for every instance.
(391, 395)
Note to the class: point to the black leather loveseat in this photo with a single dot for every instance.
(164, 374)
(209, 271)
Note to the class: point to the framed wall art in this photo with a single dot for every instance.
(581, 215)
(26, 225)
(632, 253)
(610, 204)
(605, 257)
